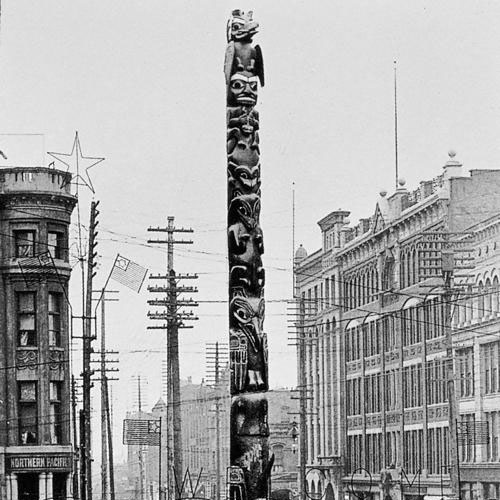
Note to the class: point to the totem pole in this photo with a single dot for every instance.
(248, 474)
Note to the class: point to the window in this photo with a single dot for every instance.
(492, 448)
(54, 319)
(390, 390)
(28, 421)
(26, 319)
(25, 243)
(467, 440)
(412, 389)
(389, 333)
(55, 420)
(353, 395)
(55, 243)
(490, 355)
(436, 382)
(437, 449)
(465, 365)
(413, 451)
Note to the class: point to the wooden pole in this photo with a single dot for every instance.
(104, 442)
(110, 441)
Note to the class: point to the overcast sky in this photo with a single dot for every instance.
(142, 82)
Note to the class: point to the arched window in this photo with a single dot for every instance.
(414, 274)
(480, 300)
(402, 270)
(469, 311)
(495, 295)
(488, 302)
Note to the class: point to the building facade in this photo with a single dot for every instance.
(373, 325)
(36, 456)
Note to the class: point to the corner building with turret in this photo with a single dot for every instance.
(374, 327)
(36, 455)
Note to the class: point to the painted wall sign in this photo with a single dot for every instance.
(28, 463)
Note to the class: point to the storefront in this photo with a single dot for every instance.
(38, 476)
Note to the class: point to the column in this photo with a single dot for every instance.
(49, 485)
(42, 486)
(13, 487)
(69, 485)
(8, 479)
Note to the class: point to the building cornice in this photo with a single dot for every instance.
(46, 198)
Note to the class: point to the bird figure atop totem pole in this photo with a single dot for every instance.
(241, 55)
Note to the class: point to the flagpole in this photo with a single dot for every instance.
(159, 466)
(396, 123)
(103, 289)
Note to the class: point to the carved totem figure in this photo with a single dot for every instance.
(248, 476)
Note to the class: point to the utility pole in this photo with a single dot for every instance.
(106, 456)
(141, 448)
(110, 441)
(175, 319)
(104, 442)
(85, 427)
(446, 256)
(302, 403)
(216, 355)
(75, 437)
(448, 265)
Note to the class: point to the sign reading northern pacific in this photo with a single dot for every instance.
(59, 462)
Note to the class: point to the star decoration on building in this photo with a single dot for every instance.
(75, 161)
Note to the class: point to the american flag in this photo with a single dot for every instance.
(141, 432)
(128, 273)
(36, 267)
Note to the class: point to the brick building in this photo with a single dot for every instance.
(36, 456)
(375, 345)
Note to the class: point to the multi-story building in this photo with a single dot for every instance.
(36, 457)
(374, 330)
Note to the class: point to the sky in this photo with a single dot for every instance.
(142, 83)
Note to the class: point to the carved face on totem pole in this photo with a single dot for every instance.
(248, 344)
(242, 90)
(245, 208)
(243, 179)
(245, 244)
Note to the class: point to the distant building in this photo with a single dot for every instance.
(375, 346)
(36, 455)
(201, 405)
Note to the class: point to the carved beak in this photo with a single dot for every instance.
(248, 31)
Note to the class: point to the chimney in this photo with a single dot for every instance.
(336, 220)
(452, 168)
(425, 188)
(364, 225)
